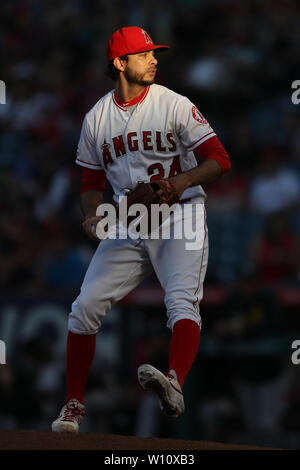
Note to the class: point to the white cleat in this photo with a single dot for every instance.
(70, 417)
(165, 387)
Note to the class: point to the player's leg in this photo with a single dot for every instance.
(181, 273)
(117, 267)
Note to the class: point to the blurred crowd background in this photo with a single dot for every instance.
(236, 60)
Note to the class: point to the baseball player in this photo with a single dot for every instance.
(142, 132)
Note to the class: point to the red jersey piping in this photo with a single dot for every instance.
(125, 104)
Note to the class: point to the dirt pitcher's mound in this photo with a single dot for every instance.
(46, 440)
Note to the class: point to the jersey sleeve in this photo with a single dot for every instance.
(191, 126)
(86, 150)
(92, 180)
(213, 148)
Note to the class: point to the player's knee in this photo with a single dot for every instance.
(87, 312)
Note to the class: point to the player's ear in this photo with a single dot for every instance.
(119, 64)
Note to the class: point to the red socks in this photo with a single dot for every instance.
(183, 348)
(81, 349)
(80, 354)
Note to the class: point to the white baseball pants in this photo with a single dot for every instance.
(118, 266)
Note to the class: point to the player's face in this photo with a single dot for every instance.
(141, 68)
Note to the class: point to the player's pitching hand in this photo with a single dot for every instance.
(90, 225)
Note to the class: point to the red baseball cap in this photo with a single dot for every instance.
(130, 40)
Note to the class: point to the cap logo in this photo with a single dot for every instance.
(148, 40)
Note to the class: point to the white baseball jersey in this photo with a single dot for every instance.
(154, 141)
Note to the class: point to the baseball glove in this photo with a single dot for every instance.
(158, 192)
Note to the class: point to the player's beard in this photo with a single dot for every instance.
(137, 78)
